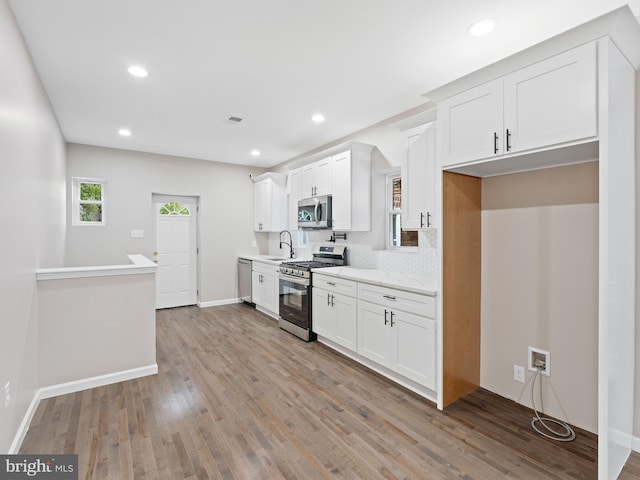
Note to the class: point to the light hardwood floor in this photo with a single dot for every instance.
(238, 398)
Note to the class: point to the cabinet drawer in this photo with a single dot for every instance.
(335, 285)
(409, 302)
(267, 268)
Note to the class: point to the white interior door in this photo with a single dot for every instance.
(176, 251)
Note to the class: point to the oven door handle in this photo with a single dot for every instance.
(297, 281)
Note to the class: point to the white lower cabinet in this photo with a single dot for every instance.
(335, 310)
(399, 340)
(264, 287)
(383, 326)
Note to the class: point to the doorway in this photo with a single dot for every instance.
(176, 250)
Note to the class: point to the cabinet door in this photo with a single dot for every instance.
(295, 194)
(261, 192)
(309, 180)
(325, 176)
(265, 291)
(270, 205)
(553, 101)
(346, 325)
(471, 124)
(323, 318)
(414, 347)
(341, 206)
(257, 289)
(271, 292)
(418, 179)
(374, 333)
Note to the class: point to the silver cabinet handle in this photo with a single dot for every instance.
(333, 284)
(328, 300)
(428, 220)
(389, 297)
(385, 316)
(391, 318)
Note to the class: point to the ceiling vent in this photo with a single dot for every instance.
(231, 120)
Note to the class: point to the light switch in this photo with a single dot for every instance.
(137, 233)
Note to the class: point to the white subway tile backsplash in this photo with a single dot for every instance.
(360, 254)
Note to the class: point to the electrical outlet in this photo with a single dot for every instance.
(7, 394)
(254, 243)
(539, 360)
(518, 373)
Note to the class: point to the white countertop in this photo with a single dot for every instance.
(406, 282)
(270, 259)
(138, 264)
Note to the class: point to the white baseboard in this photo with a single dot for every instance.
(635, 445)
(71, 387)
(99, 381)
(24, 425)
(217, 303)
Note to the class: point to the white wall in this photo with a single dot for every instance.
(95, 326)
(225, 217)
(540, 285)
(32, 160)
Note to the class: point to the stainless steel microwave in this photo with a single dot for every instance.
(314, 213)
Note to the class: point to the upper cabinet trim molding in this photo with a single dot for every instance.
(620, 25)
(343, 147)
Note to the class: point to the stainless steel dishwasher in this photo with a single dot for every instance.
(244, 280)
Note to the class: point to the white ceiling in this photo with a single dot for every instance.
(273, 63)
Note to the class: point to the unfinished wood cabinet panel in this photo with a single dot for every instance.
(461, 219)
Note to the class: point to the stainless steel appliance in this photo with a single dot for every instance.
(244, 280)
(295, 289)
(314, 213)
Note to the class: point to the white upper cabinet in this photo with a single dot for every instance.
(418, 178)
(346, 176)
(471, 124)
(549, 103)
(352, 189)
(294, 187)
(317, 178)
(342, 217)
(552, 102)
(270, 203)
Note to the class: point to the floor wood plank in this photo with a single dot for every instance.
(238, 398)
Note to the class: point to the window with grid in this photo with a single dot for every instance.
(396, 236)
(89, 201)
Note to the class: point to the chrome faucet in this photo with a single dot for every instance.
(290, 244)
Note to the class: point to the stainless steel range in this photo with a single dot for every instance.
(295, 289)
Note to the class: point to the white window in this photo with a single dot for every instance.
(397, 237)
(89, 201)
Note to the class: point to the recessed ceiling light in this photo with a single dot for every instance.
(318, 118)
(482, 27)
(125, 132)
(255, 153)
(138, 71)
